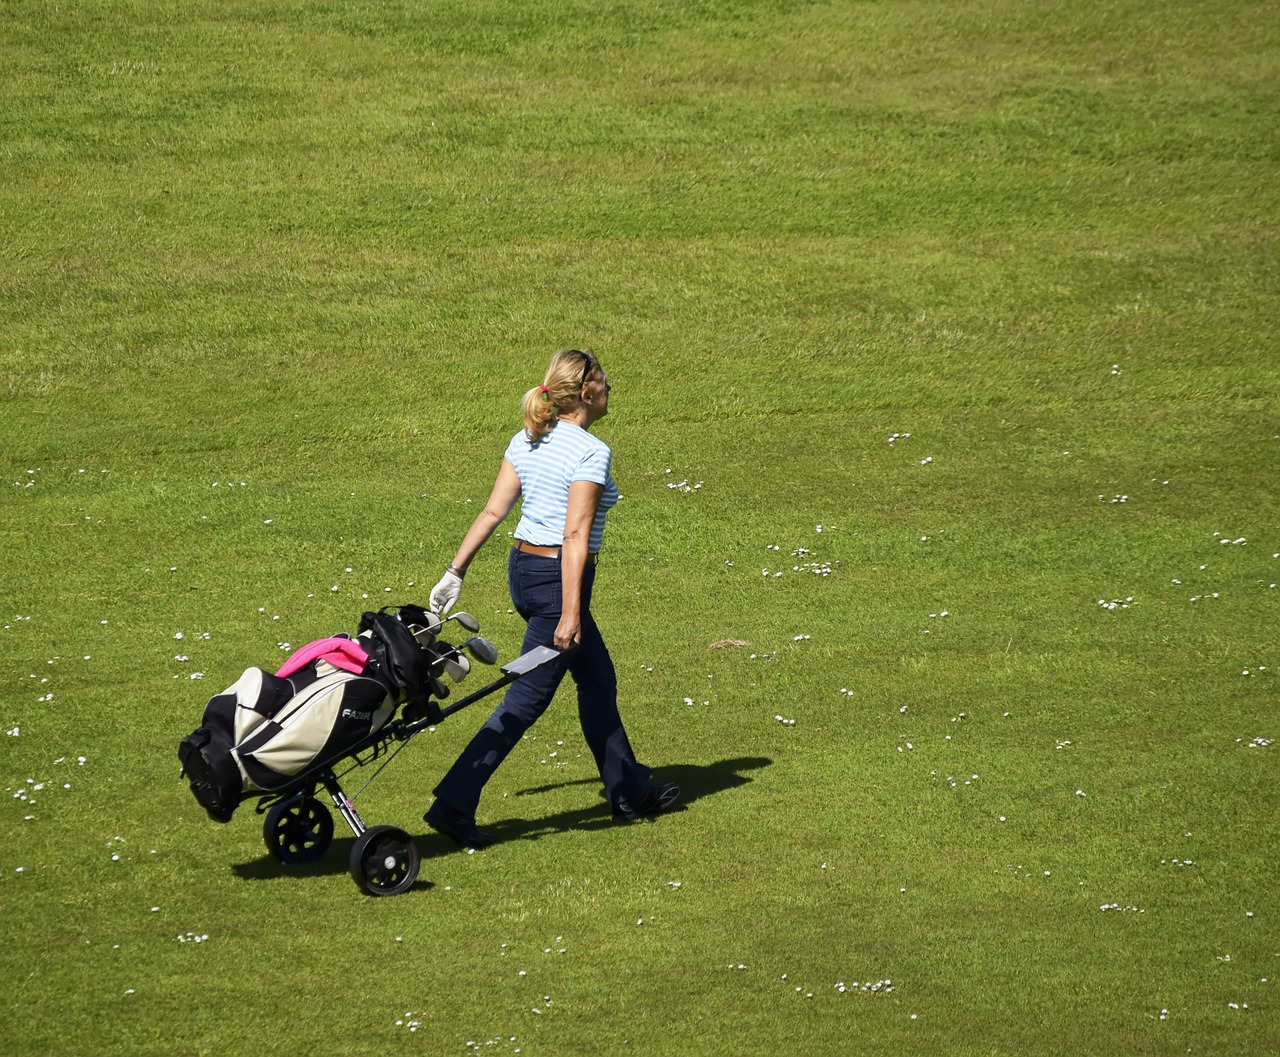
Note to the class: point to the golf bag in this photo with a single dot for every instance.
(264, 730)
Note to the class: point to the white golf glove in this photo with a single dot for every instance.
(445, 593)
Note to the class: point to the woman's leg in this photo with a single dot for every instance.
(535, 591)
(593, 672)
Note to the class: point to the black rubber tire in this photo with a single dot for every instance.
(298, 830)
(384, 861)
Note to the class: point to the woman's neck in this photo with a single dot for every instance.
(577, 417)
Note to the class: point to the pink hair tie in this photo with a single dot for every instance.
(543, 388)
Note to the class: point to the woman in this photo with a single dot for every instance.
(560, 472)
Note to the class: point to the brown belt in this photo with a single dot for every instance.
(548, 552)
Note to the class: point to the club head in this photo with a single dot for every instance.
(431, 622)
(482, 650)
(439, 689)
(437, 653)
(425, 636)
(467, 621)
(457, 667)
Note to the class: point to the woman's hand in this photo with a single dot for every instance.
(568, 635)
(445, 594)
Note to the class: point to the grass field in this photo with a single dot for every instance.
(943, 342)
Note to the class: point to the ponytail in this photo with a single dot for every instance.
(560, 392)
(540, 413)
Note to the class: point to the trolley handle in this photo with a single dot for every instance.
(511, 671)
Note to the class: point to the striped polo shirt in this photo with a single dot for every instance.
(567, 454)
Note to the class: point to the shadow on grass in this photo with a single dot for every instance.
(696, 782)
(335, 861)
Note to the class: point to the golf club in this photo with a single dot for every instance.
(424, 635)
(446, 660)
(456, 666)
(466, 620)
(481, 649)
(431, 621)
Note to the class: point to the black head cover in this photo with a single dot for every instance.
(394, 653)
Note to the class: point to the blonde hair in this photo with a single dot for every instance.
(561, 391)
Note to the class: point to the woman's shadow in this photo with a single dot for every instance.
(696, 782)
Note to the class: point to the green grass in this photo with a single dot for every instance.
(272, 278)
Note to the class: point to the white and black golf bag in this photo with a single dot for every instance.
(265, 730)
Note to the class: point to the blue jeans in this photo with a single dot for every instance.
(536, 593)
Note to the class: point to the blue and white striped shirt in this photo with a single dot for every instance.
(546, 470)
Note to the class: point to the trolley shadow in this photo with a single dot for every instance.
(335, 860)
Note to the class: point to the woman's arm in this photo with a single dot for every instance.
(584, 501)
(506, 490)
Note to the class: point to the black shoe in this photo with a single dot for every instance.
(457, 826)
(655, 800)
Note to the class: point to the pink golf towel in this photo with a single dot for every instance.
(341, 653)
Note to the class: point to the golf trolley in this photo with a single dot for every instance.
(282, 738)
(384, 861)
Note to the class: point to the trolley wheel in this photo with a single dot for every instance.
(384, 861)
(298, 830)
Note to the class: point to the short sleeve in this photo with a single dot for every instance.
(594, 466)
